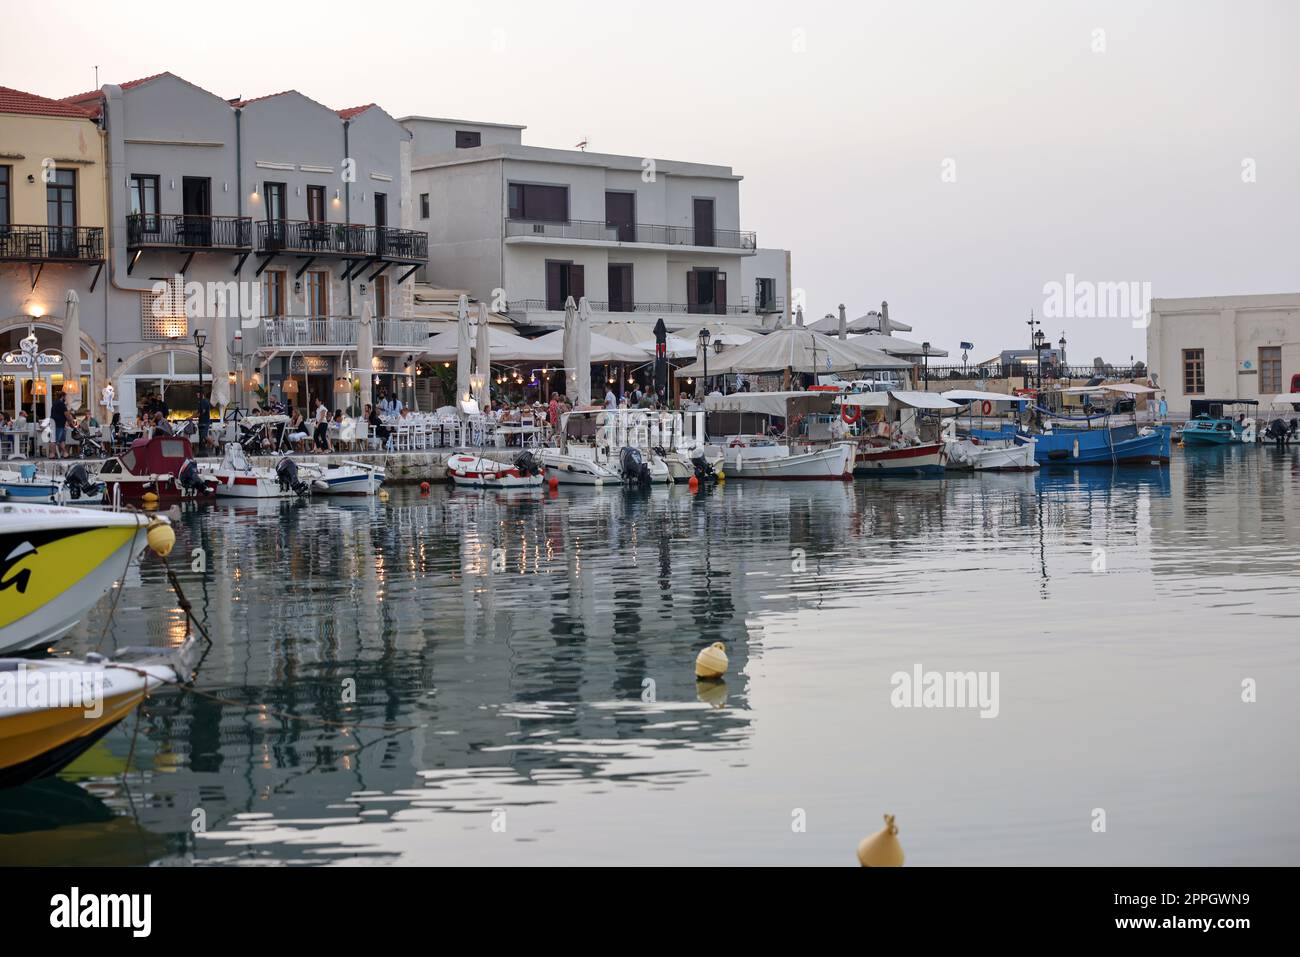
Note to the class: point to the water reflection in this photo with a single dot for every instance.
(541, 644)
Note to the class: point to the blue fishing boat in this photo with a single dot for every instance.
(28, 485)
(1102, 445)
(1212, 424)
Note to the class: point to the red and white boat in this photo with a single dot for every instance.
(926, 458)
(236, 477)
(163, 465)
(475, 471)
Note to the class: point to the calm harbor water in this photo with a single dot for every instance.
(542, 647)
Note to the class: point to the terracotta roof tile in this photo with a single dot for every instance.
(16, 101)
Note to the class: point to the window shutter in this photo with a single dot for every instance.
(720, 296)
(692, 290)
(577, 282)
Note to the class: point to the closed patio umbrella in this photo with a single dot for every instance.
(582, 353)
(220, 362)
(570, 348)
(365, 351)
(463, 351)
(483, 359)
(72, 352)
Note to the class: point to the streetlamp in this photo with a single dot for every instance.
(1062, 355)
(704, 350)
(1034, 333)
(925, 363)
(1040, 340)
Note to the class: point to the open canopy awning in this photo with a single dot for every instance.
(771, 403)
(975, 395)
(913, 400)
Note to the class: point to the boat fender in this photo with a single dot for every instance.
(1248, 430)
(987, 407)
(1076, 448)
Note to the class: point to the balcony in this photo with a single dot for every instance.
(57, 244)
(339, 332)
(188, 233)
(521, 306)
(307, 238)
(602, 232)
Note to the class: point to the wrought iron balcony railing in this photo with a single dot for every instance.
(52, 243)
(517, 306)
(634, 233)
(339, 332)
(342, 239)
(184, 231)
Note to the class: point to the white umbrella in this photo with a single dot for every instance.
(463, 349)
(220, 363)
(72, 351)
(505, 346)
(675, 347)
(483, 358)
(568, 353)
(551, 346)
(582, 353)
(365, 350)
(800, 350)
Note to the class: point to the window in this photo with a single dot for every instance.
(544, 204)
(1193, 371)
(706, 291)
(318, 294)
(563, 279)
(468, 139)
(61, 212)
(6, 176)
(273, 281)
(1270, 370)
(381, 296)
(274, 200)
(765, 295)
(703, 212)
(620, 215)
(316, 204)
(424, 205)
(144, 201)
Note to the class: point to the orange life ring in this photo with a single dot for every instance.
(850, 419)
(987, 407)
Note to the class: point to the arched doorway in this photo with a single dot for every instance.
(32, 392)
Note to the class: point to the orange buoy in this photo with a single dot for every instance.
(694, 483)
(554, 483)
(424, 487)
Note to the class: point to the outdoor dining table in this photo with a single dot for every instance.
(20, 442)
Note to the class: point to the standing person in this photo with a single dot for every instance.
(611, 400)
(553, 413)
(322, 436)
(205, 420)
(59, 417)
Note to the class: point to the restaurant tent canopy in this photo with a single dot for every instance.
(1282, 398)
(505, 346)
(674, 346)
(624, 330)
(727, 333)
(551, 346)
(798, 349)
(895, 346)
(870, 322)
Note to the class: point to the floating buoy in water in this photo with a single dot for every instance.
(722, 476)
(882, 848)
(554, 483)
(693, 484)
(149, 498)
(383, 495)
(161, 538)
(711, 663)
(712, 693)
(424, 487)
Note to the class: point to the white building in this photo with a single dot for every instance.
(525, 227)
(1224, 347)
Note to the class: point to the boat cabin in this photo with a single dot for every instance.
(154, 457)
(1221, 408)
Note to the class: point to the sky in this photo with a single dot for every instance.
(953, 158)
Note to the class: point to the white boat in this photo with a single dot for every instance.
(28, 484)
(900, 458)
(681, 462)
(61, 706)
(992, 455)
(236, 477)
(760, 457)
(476, 471)
(56, 563)
(779, 435)
(578, 466)
(348, 478)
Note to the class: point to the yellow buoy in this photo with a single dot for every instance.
(722, 476)
(161, 538)
(712, 693)
(711, 663)
(383, 495)
(149, 498)
(882, 848)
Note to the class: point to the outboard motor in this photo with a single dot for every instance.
(188, 479)
(79, 485)
(286, 470)
(1278, 431)
(703, 470)
(633, 466)
(527, 464)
